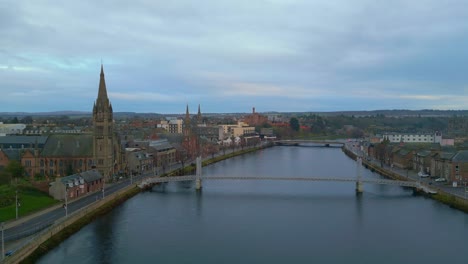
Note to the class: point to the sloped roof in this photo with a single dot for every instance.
(424, 153)
(161, 145)
(461, 156)
(91, 175)
(13, 154)
(404, 152)
(69, 145)
(88, 176)
(27, 141)
(447, 155)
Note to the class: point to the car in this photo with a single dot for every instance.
(423, 174)
(440, 180)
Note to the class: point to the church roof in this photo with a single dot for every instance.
(68, 146)
(16, 141)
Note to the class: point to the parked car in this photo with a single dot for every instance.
(440, 180)
(423, 174)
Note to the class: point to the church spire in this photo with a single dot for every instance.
(187, 126)
(199, 117)
(102, 95)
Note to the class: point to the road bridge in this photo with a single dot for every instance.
(198, 178)
(311, 143)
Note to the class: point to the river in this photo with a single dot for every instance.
(273, 221)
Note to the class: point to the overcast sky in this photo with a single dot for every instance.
(230, 56)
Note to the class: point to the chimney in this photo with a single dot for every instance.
(253, 110)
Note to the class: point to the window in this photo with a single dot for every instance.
(42, 163)
(51, 163)
(51, 172)
(27, 163)
(100, 161)
(61, 163)
(80, 163)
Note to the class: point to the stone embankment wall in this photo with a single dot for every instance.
(63, 228)
(441, 196)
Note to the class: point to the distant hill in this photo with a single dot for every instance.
(387, 113)
(56, 113)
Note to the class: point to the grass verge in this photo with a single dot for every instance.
(30, 200)
(56, 239)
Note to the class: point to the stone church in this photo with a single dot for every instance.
(106, 147)
(63, 155)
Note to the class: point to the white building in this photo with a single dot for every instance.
(413, 138)
(240, 129)
(11, 129)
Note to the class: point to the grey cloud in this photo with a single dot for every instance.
(165, 48)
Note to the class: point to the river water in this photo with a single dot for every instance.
(273, 221)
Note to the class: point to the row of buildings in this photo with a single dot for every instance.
(430, 156)
(80, 162)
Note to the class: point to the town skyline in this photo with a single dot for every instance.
(278, 56)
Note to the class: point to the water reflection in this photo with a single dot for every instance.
(274, 222)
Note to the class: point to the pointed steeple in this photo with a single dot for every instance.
(102, 94)
(199, 117)
(187, 126)
(187, 115)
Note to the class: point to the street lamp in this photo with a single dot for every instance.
(66, 201)
(17, 203)
(3, 242)
(465, 190)
(102, 191)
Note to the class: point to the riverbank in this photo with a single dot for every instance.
(441, 196)
(52, 237)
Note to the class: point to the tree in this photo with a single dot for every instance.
(27, 120)
(15, 169)
(294, 124)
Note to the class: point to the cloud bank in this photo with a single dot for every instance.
(231, 55)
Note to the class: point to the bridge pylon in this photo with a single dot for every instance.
(359, 188)
(198, 181)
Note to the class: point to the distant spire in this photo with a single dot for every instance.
(199, 117)
(187, 115)
(187, 127)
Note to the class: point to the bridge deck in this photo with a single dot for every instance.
(268, 178)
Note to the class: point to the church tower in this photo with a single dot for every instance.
(103, 145)
(187, 124)
(199, 116)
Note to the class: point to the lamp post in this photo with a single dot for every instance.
(102, 191)
(16, 202)
(3, 242)
(465, 190)
(66, 201)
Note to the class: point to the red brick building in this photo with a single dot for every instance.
(255, 119)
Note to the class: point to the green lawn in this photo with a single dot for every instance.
(31, 200)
